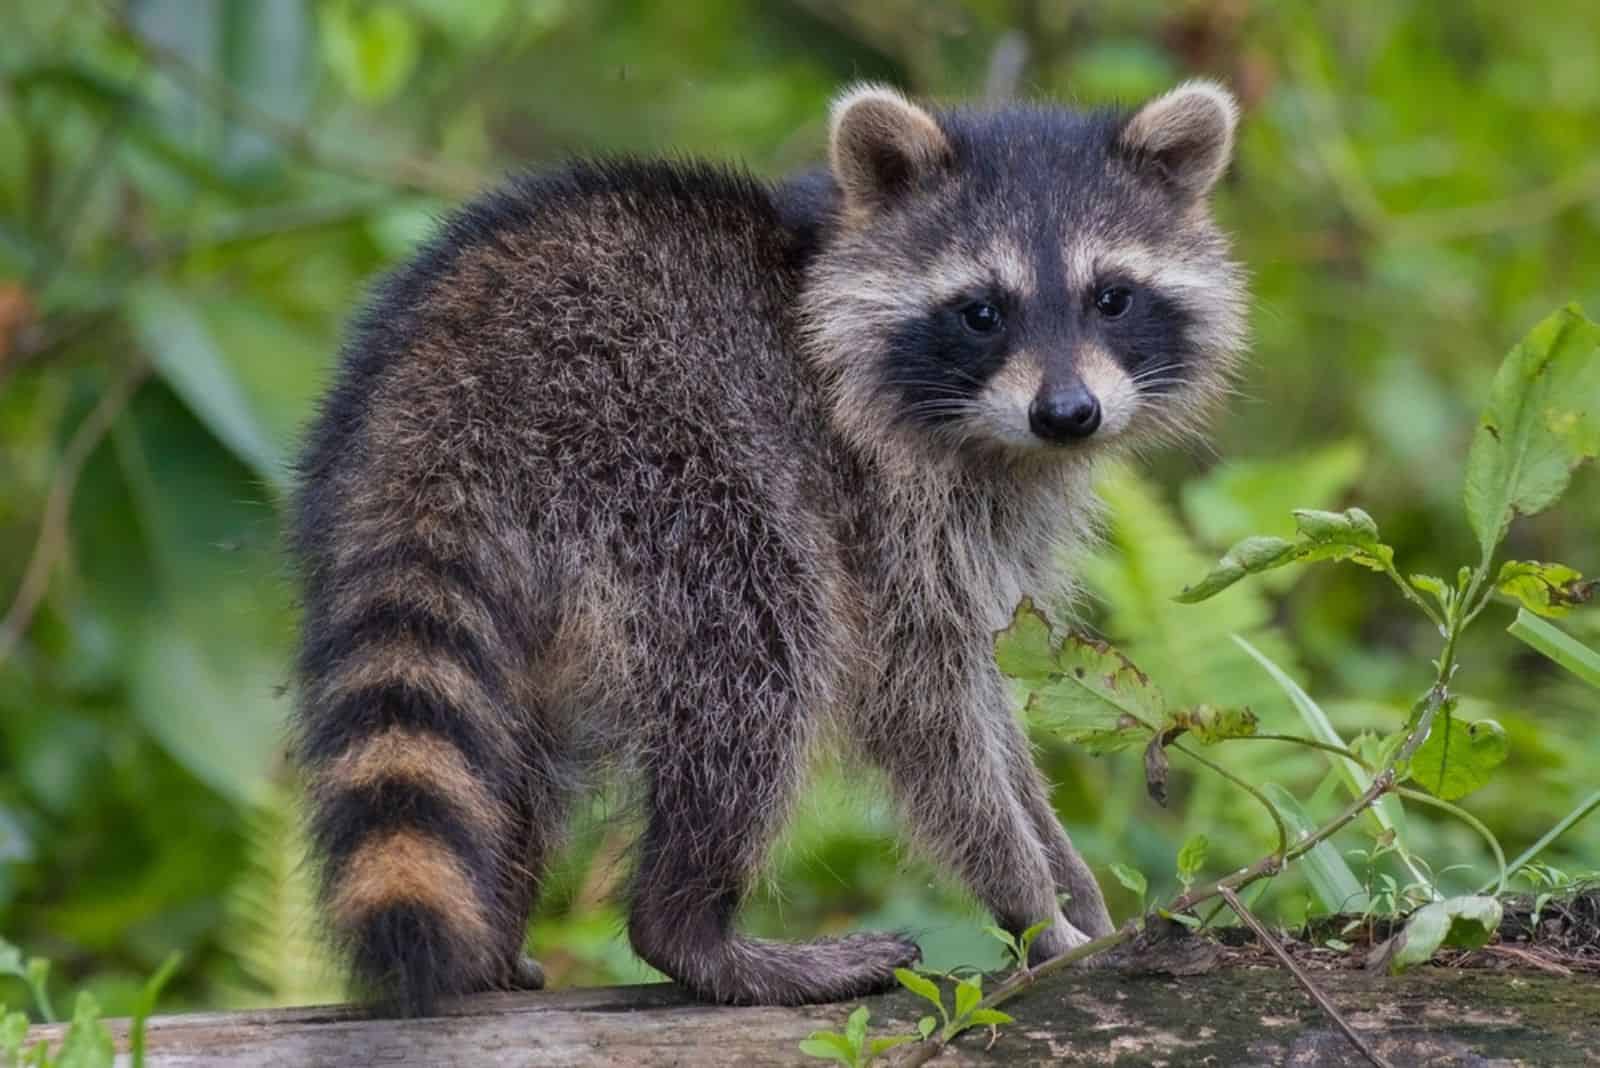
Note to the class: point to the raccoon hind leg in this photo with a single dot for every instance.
(734, 725)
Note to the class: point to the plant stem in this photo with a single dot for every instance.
(1272, 810)
(1309, 743)
(1322, 1000)
(1412, 595)
(1470, 820)
(1586, 806)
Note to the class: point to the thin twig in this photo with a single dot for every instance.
(53, 527)
(1302, 978)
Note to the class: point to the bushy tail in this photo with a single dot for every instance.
(418, 773)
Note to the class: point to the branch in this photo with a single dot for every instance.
(53, 527)
(1301, 977)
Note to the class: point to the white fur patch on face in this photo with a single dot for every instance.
(1112, 387)
(1001, 408)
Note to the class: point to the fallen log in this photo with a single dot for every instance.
(1233, 1016)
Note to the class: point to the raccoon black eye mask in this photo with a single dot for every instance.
(558, 522)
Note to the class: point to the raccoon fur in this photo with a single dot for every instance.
(654, 468)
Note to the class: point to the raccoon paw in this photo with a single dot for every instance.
(527, 974)
(1059, 938)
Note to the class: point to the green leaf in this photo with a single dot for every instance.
(1336, 886)
(1548, 589)
(146, 1005)
(11, 961)
(1098, 698)
(1461, 922)
(372, 49)
(829, 1046)
(1458, 757)
(879, 1046)
(1005, 938)
(1192, 858)
(179, 343)
(989, 1018)
(1435, 587)
(926, 1025)
(1216, 723)
(87, 1043)
(1026, 939)
(968, 993)
(1559, 646)
(13, 1033)
(38, 979)
(855, 1028)
(1249, 557)
(1387, 809)
(1348, 535)
(1542, 420)
(925, 989)
(1023, 650)
(1132, 878)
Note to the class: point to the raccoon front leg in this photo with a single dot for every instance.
(949, 771)
(1085, 906)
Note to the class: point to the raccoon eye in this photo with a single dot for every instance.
(1113, 301)
(981, 317)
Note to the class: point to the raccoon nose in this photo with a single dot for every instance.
(1064, 414)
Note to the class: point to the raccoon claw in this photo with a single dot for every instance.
(527, 974)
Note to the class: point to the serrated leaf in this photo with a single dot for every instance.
(1542, 420)
(968, 993)
(1098, 698)
(1336, 886)
(1548, 589)
(1347, 535)
(989, 1018)
(1023, 650)
(1131, 877)
(1458, 757)
(828, 1046)
(1192, 857)
(88, 1043)
(923, 988)
(1216, 723)
(1463, 922)
(1248, 557)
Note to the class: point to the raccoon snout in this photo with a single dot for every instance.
(1069, 413)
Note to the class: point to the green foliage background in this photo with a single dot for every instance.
(194, 194)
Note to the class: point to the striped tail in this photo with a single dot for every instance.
(420, 785)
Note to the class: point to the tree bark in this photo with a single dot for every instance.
(1230, 1017)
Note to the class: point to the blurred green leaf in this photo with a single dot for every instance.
(87, 1043)
(1243, 497)
(1542, 420)
(174, 337)
(1336, 886)
(1559, 646)
(373, 49)
(1132, 878)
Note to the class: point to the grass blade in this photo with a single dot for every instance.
(1558, 645)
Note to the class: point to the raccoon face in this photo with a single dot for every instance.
(1033, 280)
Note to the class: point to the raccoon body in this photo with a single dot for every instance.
(656, 468)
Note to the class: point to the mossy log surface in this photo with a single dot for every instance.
(1230, 1017)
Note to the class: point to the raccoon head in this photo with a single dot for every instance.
(1030, 280)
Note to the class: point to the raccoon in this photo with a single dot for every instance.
(651, 469)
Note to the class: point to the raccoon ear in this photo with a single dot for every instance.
(880, 144)
(1186, 136)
